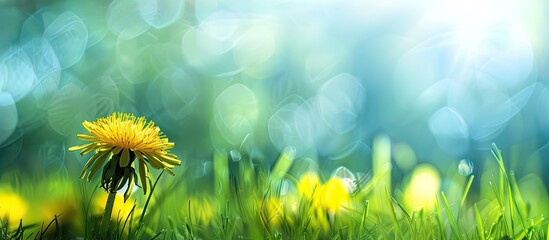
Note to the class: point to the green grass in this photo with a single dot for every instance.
(245, 201)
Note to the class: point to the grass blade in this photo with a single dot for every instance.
(364, 216)
(547, 233)
(439, 219)
(451, 218)
(393, 214)
(283, 163)
(480, 224)
(465, 193)
(149, 199)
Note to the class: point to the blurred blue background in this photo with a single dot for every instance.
(442, 79)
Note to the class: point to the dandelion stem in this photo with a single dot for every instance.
(107, 215)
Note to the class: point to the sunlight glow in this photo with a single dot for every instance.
(472, 19)
(422, 188)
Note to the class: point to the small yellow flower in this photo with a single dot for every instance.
(50, 208)
(334, 195)
(202, 210)
(12, 206)
(272, 211)
(125, 137)
(308, 184)
(330, 196)
(325, 201)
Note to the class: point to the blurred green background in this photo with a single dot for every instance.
(441, 79)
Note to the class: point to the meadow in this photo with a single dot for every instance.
(244, 200)
(279, 119)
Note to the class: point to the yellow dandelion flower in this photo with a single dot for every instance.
(202, 210)
(13, 207)
(47, 209)
(124, 137)
(325, 201)
(271, 211)
(334, 195)
(308, 184)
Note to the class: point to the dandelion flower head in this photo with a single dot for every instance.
(125, 138)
